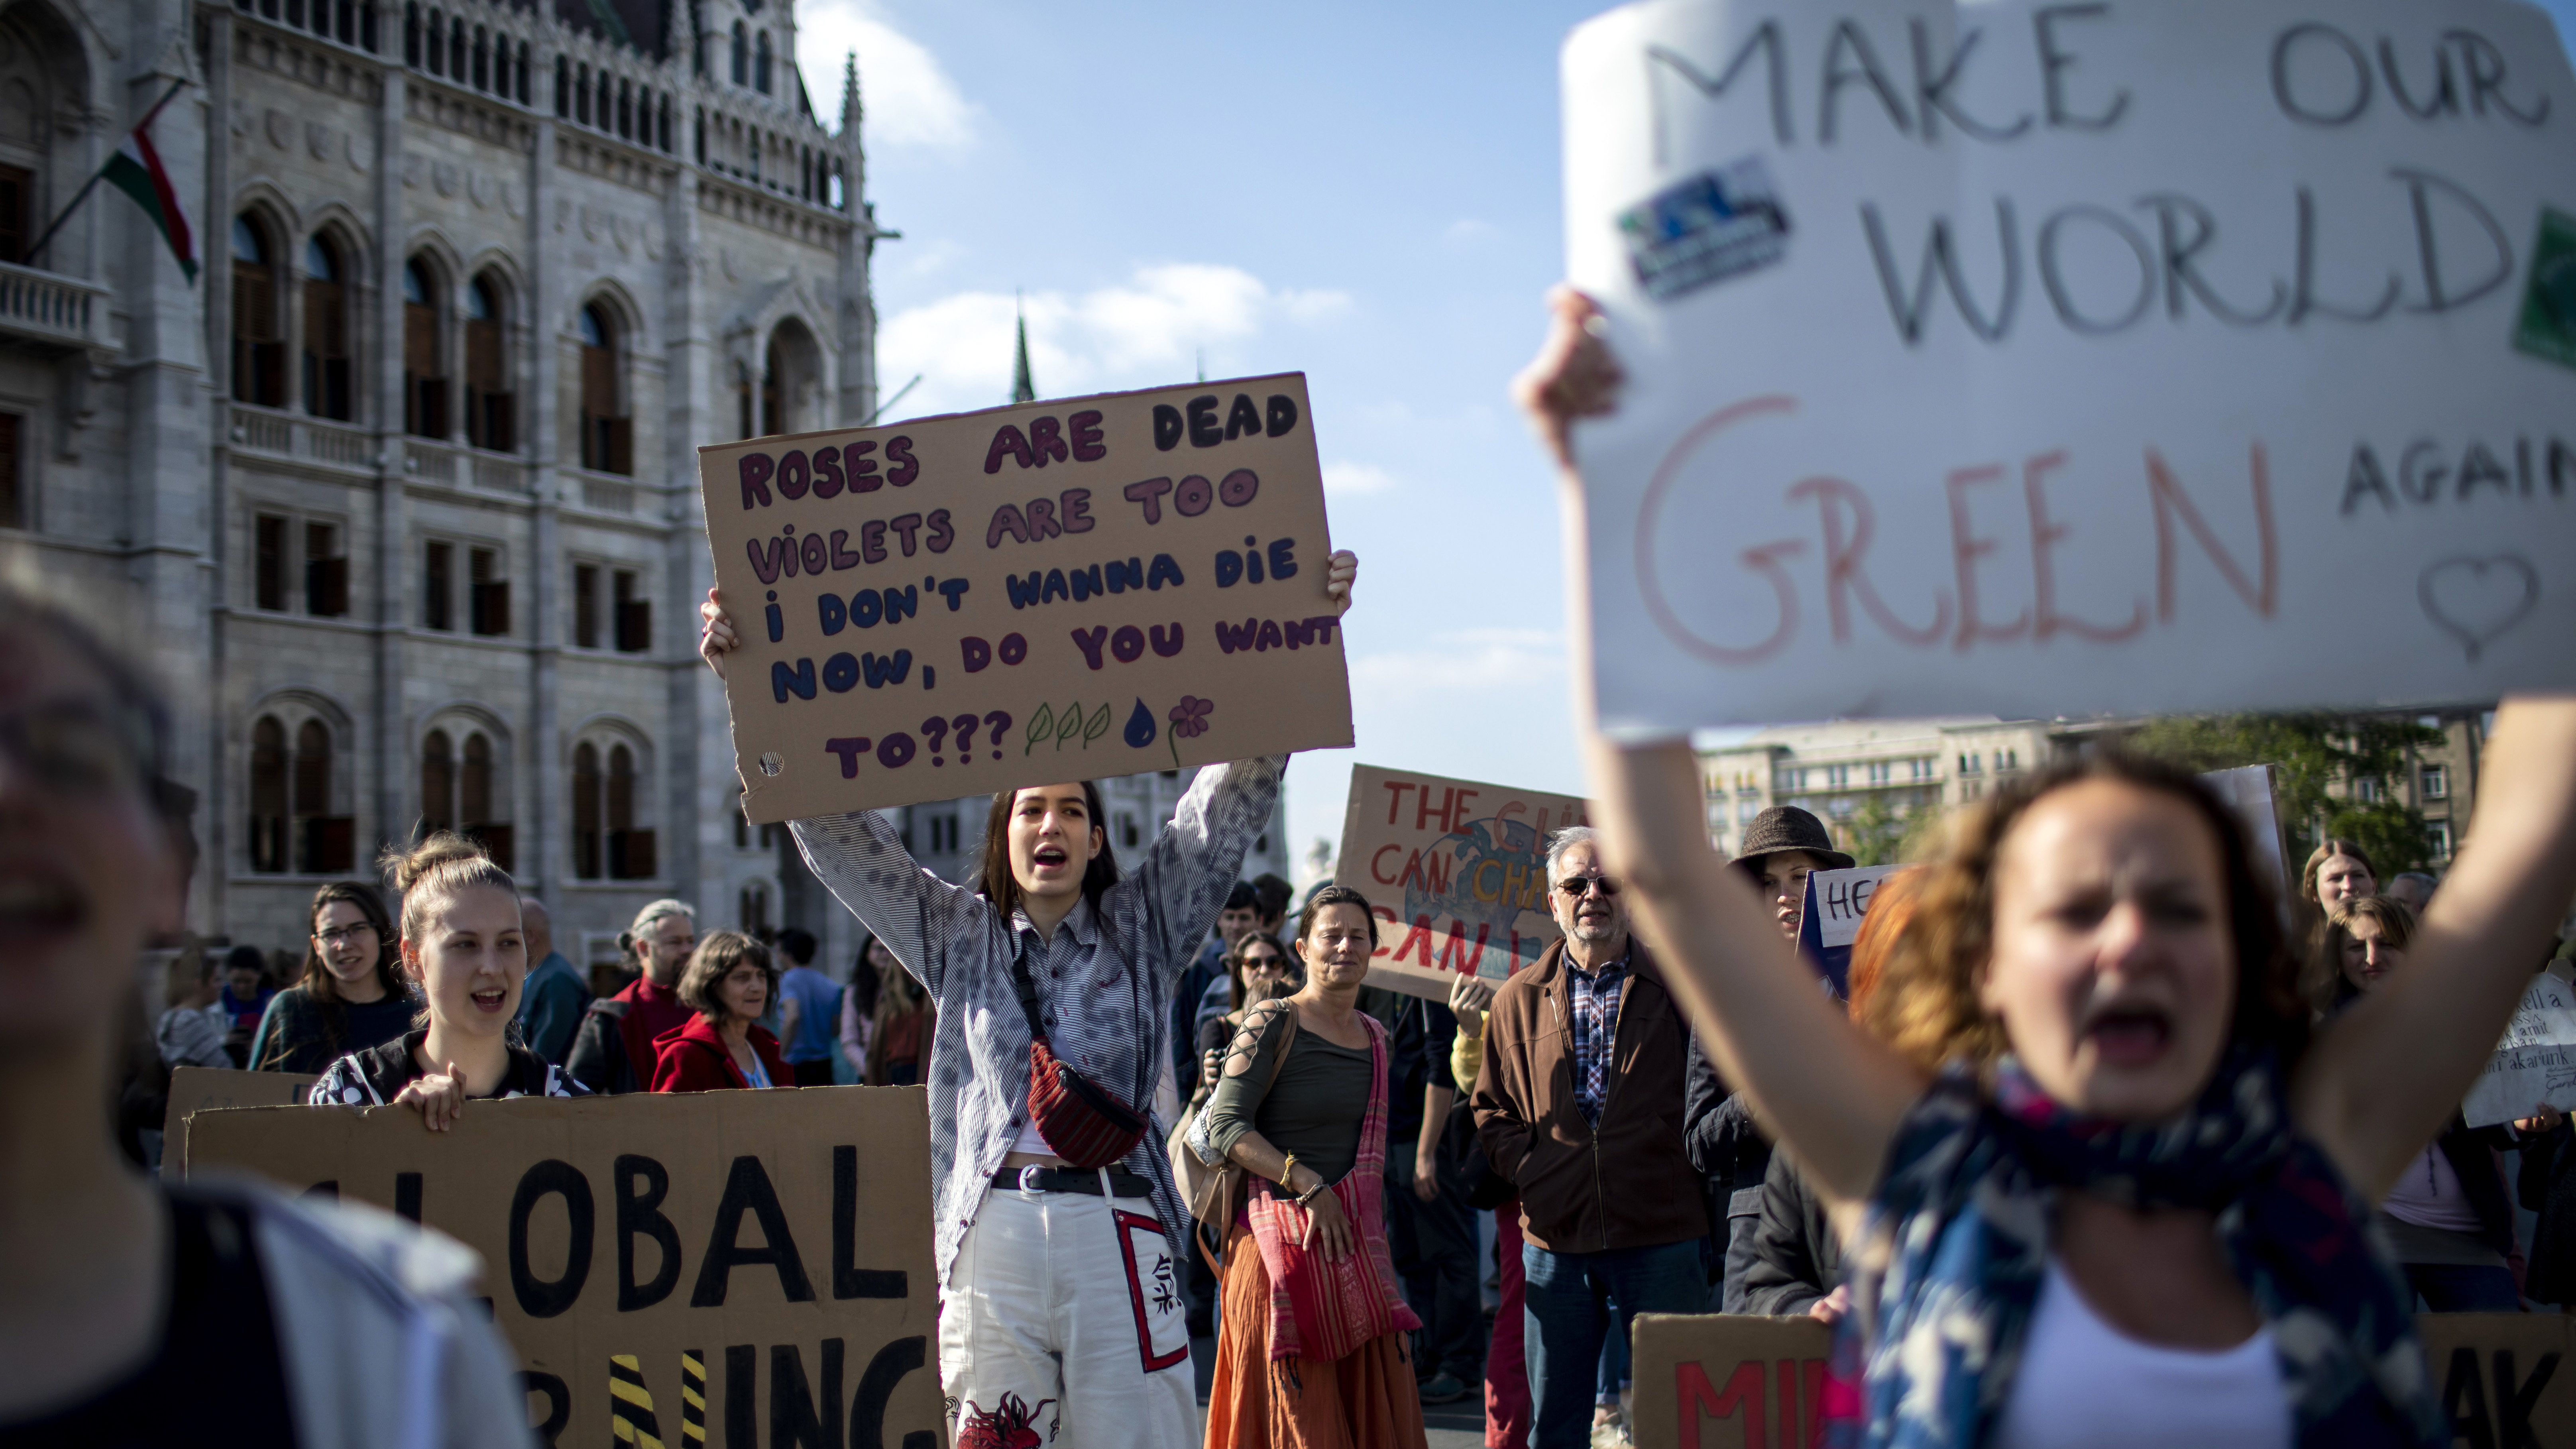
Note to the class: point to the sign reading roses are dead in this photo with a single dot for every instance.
(1456, 871)
(1062, 590)
(2046, 358)
(716, 1267)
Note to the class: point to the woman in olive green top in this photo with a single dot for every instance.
(1313, 1350)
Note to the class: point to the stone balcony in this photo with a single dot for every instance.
(52, 310)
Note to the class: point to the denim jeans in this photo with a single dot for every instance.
(2461, 1288)
(1571, 1300)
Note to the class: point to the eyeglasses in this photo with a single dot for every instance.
(1263, 963)
(340, 934)
(1576, 886)
(76, 749)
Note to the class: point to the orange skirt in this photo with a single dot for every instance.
(1366, 1401)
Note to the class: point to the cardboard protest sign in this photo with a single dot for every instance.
(1457, 871)
(200, 1089)
(1717, 1381)
(2039, 360)
(665, 1264)
(2535, 1065)
(1069, 589)
(1695, 1371)
(1837, 901)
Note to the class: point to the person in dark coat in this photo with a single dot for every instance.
(729, 982)
(1795, 1262)
(2548, 1188)
(1782, 847)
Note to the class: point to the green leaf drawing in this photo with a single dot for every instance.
(1040, 724)
(1068, 723)
(1096, 727)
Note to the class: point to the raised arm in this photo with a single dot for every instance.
(2387, 1073)
(1833, 1093)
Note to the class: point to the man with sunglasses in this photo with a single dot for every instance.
(1578, 1103)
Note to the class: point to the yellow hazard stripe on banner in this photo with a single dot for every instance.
(631, 1418)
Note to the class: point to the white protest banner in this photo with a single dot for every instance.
(2046, 359)
(2535, 1065)
(1456, 872)
(1839, 900)
(1059, 590)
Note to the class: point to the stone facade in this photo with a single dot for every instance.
(400, 495)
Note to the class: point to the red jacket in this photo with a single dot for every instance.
(693, 1057)
(652, 1012)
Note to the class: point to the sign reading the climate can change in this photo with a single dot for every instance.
(1456, 872)
(1061, 590)
(2048, 359)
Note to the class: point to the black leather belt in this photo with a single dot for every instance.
(1122, 1183)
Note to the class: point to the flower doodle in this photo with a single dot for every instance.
(1189, 721)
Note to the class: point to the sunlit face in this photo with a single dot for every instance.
(469, 961)
(347, 942)
(86, 869)
(1052, 839)
(1337, 945)
(1782, 878)
(2367, 953)
(1586, 901)
(1233, 925)
(1267, 973)
(744, 991)
(2112, 971)
(663, 950)
(2341, 878)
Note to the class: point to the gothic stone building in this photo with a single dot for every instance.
(400, 494)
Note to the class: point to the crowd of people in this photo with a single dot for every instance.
(2103, 1145)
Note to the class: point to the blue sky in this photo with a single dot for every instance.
(1364, 192)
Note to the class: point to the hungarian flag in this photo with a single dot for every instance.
(136, 170)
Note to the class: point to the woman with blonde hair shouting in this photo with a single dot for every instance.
(2100, 1181)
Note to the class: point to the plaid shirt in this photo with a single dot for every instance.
(1105, 981)
(1595, 998)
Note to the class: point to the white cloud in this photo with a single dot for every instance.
(910, 99)
(1350, 480)
(1468, 229)
(1148, 330)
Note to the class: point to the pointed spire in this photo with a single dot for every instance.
(850, 107)
(1023, 387)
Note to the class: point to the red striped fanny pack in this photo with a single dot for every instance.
(1086, 1124)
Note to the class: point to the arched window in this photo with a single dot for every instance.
(523, 73)
(489, 411)
(773, 410)
(482, 59)
(259, 353)
(586, 850)
(626, 110)
(424, 381)
(411, 33)
(268, 796)
(741, 55)
(581, 94)
(327, 393)
(697, 37)
(434, 49)
(437, 782)
(456, 50)
(563, 85)
(474, 784)
(754, 908)
(607, 435)
(607, 102)
(630, 849)
(324, 843)
(662, 127)
(760, 69)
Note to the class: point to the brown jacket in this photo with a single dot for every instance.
(1627, 1183)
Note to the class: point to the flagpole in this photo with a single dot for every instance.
(38, 249)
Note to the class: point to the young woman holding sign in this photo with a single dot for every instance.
(180, 1313)
(1059, 1236)
(2102, 1183)
(462, 950)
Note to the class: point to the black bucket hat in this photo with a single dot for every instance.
(1786, 827)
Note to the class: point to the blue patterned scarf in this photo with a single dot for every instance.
(1958, 1239)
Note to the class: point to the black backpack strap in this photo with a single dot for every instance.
(1027, 988)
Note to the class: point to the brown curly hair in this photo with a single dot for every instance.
(1925, 1004)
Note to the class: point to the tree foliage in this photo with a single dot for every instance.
(2312, 755)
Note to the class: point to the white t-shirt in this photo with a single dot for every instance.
(2085, 1385)
(2428, 1194)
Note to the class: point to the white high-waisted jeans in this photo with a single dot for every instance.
(1067, 1311)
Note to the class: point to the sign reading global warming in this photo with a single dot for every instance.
(1059, 590)
(1456, 871)
(2039, 359)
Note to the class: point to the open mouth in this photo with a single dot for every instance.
(2130, 1036)
(1049, 857)
(490, 1001)
(36, 902)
